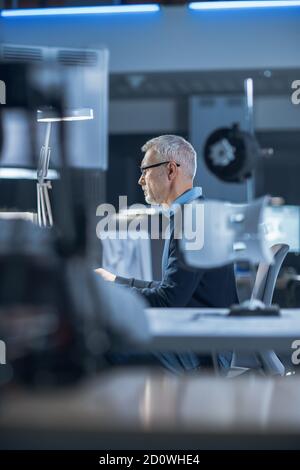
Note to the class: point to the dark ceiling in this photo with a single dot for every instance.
(156, 85)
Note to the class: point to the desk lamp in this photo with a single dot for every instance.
(50, 115)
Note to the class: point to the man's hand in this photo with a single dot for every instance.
(107, 276)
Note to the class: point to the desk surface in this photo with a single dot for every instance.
(204, 330)
(140, 408)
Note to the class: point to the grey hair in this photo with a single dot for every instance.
(175, 148)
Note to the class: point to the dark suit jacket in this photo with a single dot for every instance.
(182, 287)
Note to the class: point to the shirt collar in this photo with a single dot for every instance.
(188, 196)
(185, 198)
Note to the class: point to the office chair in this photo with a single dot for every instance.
(266, 276)
(263, 290)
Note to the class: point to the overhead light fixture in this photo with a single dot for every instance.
(89, 10)
(50, 115)
(230, 5)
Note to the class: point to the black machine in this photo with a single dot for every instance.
(231, 154)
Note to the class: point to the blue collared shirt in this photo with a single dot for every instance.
(185, 198)
(188, 196)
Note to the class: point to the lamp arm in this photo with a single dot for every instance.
(45, 218)
(44, 159)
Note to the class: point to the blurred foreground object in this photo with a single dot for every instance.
(224, 233)
(232, 233)
(56, 318)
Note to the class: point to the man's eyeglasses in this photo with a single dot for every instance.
(144, 168)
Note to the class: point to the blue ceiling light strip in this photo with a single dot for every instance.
(109, 9)
(231, 5)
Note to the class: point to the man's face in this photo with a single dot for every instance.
(154, 181)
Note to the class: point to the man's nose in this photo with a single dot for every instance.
(141, 181)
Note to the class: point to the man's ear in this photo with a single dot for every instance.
(172, 170)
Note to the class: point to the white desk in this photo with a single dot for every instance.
(205, 330)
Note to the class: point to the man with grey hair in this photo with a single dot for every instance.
(167, 154)
(167, 173)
